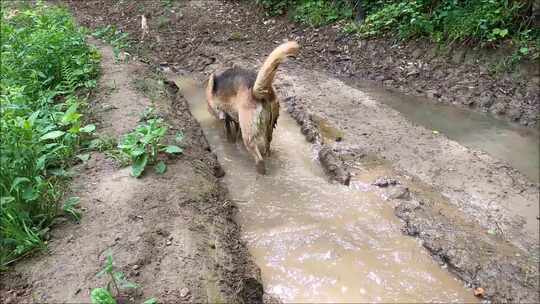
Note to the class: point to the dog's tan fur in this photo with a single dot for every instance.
(241, 96)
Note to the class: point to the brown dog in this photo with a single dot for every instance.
(247, 99)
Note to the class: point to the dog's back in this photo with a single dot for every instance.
(230, 81)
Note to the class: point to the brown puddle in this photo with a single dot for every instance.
(321, 242)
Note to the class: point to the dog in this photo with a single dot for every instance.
(247, 101)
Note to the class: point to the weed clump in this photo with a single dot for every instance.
(45, 64)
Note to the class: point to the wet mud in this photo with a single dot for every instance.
(474, 213)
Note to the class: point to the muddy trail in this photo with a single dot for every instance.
(172, 234)
(365, 200)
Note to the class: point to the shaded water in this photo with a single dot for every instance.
(320, 242)
(518, 146)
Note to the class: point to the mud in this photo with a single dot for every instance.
(498, 204)
(172, 234)
(457, 76)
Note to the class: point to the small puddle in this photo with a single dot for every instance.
(320, 242)
(519, 146)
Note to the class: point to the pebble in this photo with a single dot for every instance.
(168, 243)
(184, 292)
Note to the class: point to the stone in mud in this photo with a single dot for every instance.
(399, 192)
(334, 166)
(385, 181)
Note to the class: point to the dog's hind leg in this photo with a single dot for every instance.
(229, 125)
(250, 142)
(259, 161)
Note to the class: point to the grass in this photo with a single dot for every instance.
(46, 65)
(481, 23)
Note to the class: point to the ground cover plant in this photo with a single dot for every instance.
(143, 144)
(116, 286)
(46, 66)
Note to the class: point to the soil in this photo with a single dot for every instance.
(467, 207)
(172, 234)
(455, 75)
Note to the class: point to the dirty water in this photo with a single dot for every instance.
(518, 146)
(321, 242)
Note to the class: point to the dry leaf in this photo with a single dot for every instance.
(479, 292)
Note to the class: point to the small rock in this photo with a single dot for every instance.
(118, 238)
(385, 182)
(433, 94)
(399, 193)
(184, 292)
(168, 243)
(135, 267)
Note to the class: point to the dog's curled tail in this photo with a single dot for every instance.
(266, 74)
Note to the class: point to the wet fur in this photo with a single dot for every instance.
(247, 101)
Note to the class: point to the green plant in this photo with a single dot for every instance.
(116, 284)
(69, 207)
(119, 40)
(321, 12)
(143, 145)
(45, 63)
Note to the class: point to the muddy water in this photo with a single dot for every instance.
(318, 242)
(518, 146)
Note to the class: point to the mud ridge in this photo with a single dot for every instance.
(506, 273)
(328, 156)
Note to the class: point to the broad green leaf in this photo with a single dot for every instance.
(101, 296)
(84, 157)
(161, 167)
(138, 166)
(173, 149)
(151, 301)
(71, 115)
(136, 152)
(88, 128)
(29, 194)
(18, 181)
(52, 135)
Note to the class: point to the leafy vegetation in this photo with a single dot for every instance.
(483, 23)
(115, 285)
(143, 145)
(119, 40)
(45, 62)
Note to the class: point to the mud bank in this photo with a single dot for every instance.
(498, 203)
(456, 76)
(172, 234)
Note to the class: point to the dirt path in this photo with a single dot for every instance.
(172, 234)
(464, 202)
